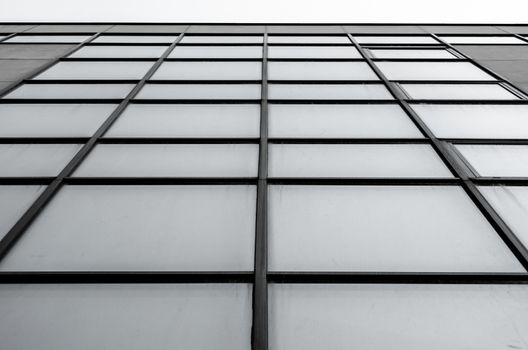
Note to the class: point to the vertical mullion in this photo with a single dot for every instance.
(32, 212)
(451, 161)
(259, 332)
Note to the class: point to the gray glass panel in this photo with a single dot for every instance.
(313, 52)
(432, 71)
(47, 39)
(120, 52)
(35, 159)
(216, 52)
(201, 91)
(14, 201)
(208, 71)
(71, 91)
(320, 71)
(96, 70)
(328, 92)
(135, 39)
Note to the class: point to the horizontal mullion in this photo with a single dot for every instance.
(193, 101)
(446, 81)
(45, 140)
(127, 44)
(327, 82)
(463, 102)
(178, 140)
(27, 180)
(187, 81)
(315, 59)
(420, 60)
(351, 101)
(109, 59)
(212, 59)
(160, 180)
(60, 101)
(349, 140)
(487, 141)
(80, 81)
(380, 181)
(509, 181)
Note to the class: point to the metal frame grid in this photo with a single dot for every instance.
(260, 277)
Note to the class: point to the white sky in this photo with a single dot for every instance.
(423, 11)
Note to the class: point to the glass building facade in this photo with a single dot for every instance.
(194, 186)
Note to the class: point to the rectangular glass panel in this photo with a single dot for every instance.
(382, 228)
(397, 316)
(166, 160)
(458, 92)
(35, 159)
(52, 120)
(216, 52)
(328, 92)
(497, 160)
(313, 52)
(308, 39)
(222, 39)
(320, 71)
(135, 39)
(96, 70)
(365, 39)
(14, 201)
(207, 120)
(475, 121)
(47, 39)
(412, 53)
(120, 52)
(201, 91)
(511, 203)
(127, 316)
(432, 71)
(353, 160)
(141, 228)
(482, 40)
(208, 71)
(339, 121)
(71, 91)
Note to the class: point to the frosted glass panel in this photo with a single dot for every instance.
(339, 121)
(147, 228)
(216, 52)
(35, 159)
(222, 120)
(207, 160)
(212, 39)
(201, 91)
(131, 316)
(320, 71)
(47, 39)
(395, 40)
(497, 160)
(120, 51)
(208, 71)
(351, 160)
(432, 71)
(96, 70)
(411, 53)
(328, 92)
(135, 39)
(46, 120)
(313, 52)
(475, 121)
(291, 39)
(482, 40)
(14, 201)
(411, 317)
(458, 92)
(71, 91)
(511, 202)
(382, 228)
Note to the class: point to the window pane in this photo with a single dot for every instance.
(208, 71)
(339, 121)
(131, 316)
(216, 52)
(397, 316)
(320, 71)
(328, 92)
(458, 92)
(35, 159)
(14, 201)
(96, 70)
(201, 91)
(221, 120)
(120, 52)
(511, 203)
(52, 120)
(365, 39)
(71, 91)
(47, 39)
(411, 53)
(432, 71)
(225, 39)
(497, 160)
(153, 228)
(313, 52)
(135, 39)
(475, 121)
(352, 160)
(482, 40)
(208, 160)
(382, 228)
(292, 39)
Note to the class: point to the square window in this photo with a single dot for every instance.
(209, 71)
(320, 71)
